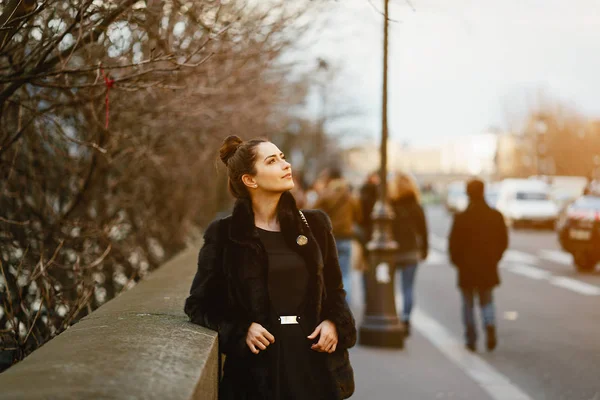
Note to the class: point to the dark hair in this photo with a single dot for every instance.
(475, 189)
(239, 157)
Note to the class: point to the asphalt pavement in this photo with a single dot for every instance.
(548, 319)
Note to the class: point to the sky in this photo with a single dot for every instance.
(460, 67)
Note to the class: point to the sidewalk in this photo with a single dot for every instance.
(419, 371)
(433, 365)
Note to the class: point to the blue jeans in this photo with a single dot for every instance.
(407, 275)
(488, 313)
(344, 249)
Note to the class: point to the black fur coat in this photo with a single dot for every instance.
(229, 292)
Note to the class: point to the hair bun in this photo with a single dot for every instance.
(229, 147)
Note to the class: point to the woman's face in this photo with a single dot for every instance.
(273, 172)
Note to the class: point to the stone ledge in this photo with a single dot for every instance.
(139, 345)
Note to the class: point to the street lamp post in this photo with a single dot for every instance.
(541, 128)
(322, 68)
(381, 326)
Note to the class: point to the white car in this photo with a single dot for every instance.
(566, 189)
(527, 202)
(492, 193)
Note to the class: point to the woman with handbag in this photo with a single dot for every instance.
(269, 282)
(410, 232)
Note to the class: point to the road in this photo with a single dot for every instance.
(548, 323)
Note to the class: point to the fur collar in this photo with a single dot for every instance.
(243, 231)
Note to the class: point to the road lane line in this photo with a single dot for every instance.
(528, 271)
(564, 282)
(576, 286)
(487, 377)
(559, 257)
(525, 264)
(517, 256)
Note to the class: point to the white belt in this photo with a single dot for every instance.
(288, 319)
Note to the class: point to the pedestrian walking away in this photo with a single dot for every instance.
(262, 276)
(478, 239)
(410, 233)
(338, 202)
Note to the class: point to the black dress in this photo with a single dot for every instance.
(298, 371)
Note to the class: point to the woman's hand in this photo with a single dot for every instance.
(258, 338)
(329, 337)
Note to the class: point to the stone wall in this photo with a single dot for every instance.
(140, 345)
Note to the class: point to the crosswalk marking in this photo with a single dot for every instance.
(576, 286)
(517, 256)
(527, 270)
(559, 257)
(525, 264)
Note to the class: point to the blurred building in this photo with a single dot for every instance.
(472, 155)
(451, 158)
(509, 156)
(550, 143)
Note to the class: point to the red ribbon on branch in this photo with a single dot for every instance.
(109, 84)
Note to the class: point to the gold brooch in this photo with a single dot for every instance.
(301, 240)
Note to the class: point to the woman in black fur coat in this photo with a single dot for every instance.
(269, 282)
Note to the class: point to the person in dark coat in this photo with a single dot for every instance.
(477, 242)
(410, 232)
(369, 194)
(269, 282)
(338, 202)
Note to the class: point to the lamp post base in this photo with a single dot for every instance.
(381, 326)
(381, 332)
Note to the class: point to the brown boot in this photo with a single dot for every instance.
(471, 339)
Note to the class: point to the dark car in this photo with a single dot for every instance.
(579, 231)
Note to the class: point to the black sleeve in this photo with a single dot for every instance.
(207, 303)
(335, 307)
(204, 305)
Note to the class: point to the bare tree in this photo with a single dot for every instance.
(110, 117)
(553, 138)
